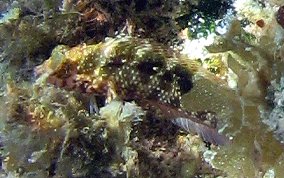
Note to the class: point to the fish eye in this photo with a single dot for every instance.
(150, 66)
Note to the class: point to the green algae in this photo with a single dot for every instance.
(12, 14)
(255, 152)
(254, 149)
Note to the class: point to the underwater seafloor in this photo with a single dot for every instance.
(75, 75)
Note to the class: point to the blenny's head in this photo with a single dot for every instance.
(70, 68)
(54, 63)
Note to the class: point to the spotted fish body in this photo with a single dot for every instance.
(136, 68)
(133, 68)
(150, 74)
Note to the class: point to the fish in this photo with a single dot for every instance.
(131, 68)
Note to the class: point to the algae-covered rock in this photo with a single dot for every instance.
(82, 112)
(58, 136)
(28, 38)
